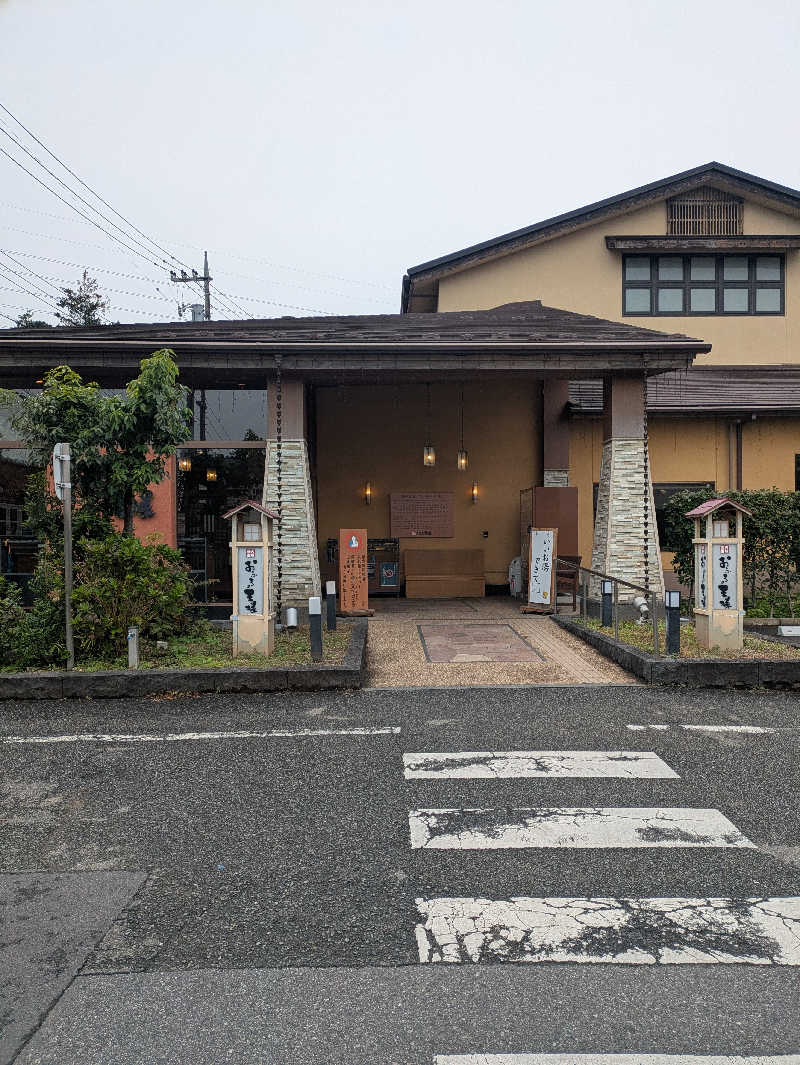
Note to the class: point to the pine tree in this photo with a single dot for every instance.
(83, 305)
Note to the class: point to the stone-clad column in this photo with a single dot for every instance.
(619, 547)
(300, 560)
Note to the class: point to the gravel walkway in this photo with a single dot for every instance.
(397, 656)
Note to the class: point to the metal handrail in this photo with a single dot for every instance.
(616, 582)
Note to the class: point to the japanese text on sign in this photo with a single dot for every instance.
(421, 514)
(353, 584)
(541, 567)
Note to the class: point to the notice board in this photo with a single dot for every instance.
(421, 514)
(353, 578)
(542, 569)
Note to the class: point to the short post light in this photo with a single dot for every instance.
(718, 599)
(607, 594)
(315, 626)
(330, 604)
(251, 550)
(672, 605)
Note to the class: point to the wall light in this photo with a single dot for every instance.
(211, 474)
(368, 492)
(184, 465)
(474, 491)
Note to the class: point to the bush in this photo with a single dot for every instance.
(39, 638)
(12, 614)
(771, 548)
(119, 582)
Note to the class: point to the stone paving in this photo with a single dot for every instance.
(476, 642)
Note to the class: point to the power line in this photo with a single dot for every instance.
(37, 292)
(22, 266)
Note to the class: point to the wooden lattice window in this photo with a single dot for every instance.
(704, 212)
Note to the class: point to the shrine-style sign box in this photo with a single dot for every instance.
(251, 563)
(718, 547)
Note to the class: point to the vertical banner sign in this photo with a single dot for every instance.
(251, 579)
(353, 584)
(542, 568)
(701, 577)
(725, 576)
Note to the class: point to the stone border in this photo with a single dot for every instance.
(129, 684)
(694, 672)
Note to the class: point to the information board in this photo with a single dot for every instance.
(353, 581)
(542, 568)
(251, 579)
(421, 514)
(725, 576)
(701, 576)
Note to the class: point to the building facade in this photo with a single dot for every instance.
(712, 252)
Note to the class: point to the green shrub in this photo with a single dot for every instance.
(12, 614)
(119, 582)
(39, 639)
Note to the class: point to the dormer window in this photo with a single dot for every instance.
(704, 212)
(702, 284)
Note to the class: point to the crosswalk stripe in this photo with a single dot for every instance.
(178, 737)
(752, 931)
(497, 765)
(613, 1059)
(755, 730)
(507, 827)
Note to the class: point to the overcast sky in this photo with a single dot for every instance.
(318, 149)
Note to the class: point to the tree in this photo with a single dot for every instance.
(83, 305)
(27, 321)
(119, 443)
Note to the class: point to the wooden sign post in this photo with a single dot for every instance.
(353, 579)
(542, 591)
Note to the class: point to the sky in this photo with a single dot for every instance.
(318, 149)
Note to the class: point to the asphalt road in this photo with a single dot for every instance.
(238, 899)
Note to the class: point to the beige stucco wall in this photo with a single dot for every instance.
(377, 434)
(577, 272)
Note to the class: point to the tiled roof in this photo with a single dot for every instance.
(513, 322)
(710, 389)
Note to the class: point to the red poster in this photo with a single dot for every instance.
(353, 594)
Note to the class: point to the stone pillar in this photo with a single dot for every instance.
(555, 433)
(618, 547)
(300, 560)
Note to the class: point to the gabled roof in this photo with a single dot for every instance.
(525, 323)
(711, 505)
(735, 181)
(248, 503)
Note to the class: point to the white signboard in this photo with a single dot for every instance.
(725, 577)
(542, 561)
(251, 580)
(701, 577)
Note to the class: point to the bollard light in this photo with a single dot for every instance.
(330, 602)
(608, 587)
(672, 599)
(315, 626)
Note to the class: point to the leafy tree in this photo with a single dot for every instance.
(27, 321)
(83, 305)
(119, 443)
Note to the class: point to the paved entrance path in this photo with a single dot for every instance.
(475, 642)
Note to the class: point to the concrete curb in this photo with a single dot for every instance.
(694, 672)
(130, 684)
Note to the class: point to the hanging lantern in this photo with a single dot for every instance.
(429, 451)
(184, 465)
(462, 461)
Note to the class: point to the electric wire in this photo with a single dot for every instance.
(35, 291)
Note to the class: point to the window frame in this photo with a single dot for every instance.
(751, 285)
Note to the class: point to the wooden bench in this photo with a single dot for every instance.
(444, 573)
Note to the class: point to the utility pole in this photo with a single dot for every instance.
(185, 279)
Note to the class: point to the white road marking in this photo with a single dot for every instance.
(507, 827)
(753, 729)
(612, 1059)
(174, 737)
(496, 765)
(752, 931)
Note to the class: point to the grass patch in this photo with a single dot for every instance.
(210, 648)
(641, 637)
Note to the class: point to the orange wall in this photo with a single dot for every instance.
(377, 434)
(164, 505)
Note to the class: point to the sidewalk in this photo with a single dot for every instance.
(476, 642)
